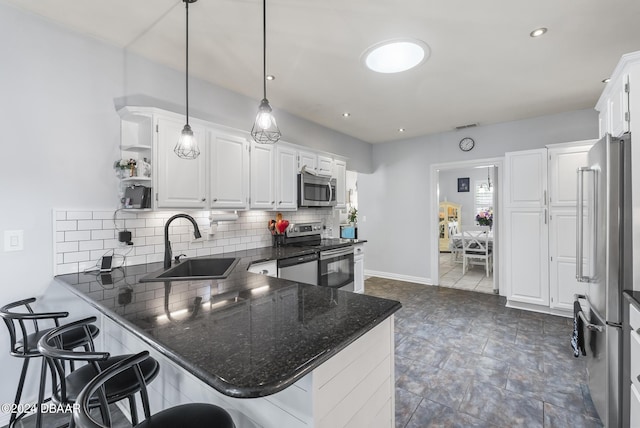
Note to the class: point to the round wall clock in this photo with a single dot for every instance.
(467, 144)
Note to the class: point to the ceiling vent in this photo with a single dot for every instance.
(470, 125)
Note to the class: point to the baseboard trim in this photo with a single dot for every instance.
(537, 308)
(406, 278)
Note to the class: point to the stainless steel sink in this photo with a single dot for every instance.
(192, 269)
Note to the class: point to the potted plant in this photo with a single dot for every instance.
(353, 215)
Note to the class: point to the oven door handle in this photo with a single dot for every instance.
(336, 253)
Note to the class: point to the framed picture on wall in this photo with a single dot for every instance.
(463, 184)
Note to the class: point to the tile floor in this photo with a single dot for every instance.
(474, 279)
(465, 360)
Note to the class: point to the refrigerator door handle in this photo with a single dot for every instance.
(580, 226)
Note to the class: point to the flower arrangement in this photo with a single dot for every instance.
(124, 164)
(485, 218)
(353, 215)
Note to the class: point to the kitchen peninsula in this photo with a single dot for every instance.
(272, 352)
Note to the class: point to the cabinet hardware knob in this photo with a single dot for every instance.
(273, 202)
(204, 199)
(215, 199)
(280, 202)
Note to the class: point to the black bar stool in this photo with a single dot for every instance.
(67, 385)
(194, 415)
(25, 330)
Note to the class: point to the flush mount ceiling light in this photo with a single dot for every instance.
(271, 77)
(401, 129)
(538, 32)
(395, 56)
(187, 146)
(265, 130)
(346, 114)
(607, 80)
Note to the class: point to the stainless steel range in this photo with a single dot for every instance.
(335, 264)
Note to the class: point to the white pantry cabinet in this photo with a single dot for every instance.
(180, 183)
(286, 178)
(526, 224)
(228, 170)
(563, 164)
(540, 226)
(262, 177)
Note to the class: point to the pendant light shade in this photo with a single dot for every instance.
(187, 146)
(265, 130)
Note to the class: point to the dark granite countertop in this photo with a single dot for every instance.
(633, 297)
(248, 335)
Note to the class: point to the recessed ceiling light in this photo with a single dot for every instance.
(394, 56)
(607, 80)
(271, 77)
(401, 129)
(538, 32)
(346, 114)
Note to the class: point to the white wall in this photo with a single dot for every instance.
(60, 92)
(394, 199)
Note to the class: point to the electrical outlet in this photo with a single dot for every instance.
(13, 240)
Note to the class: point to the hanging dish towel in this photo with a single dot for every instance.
(577, 338)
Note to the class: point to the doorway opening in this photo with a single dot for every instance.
(465, 200)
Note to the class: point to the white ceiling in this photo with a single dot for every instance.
(483, 68)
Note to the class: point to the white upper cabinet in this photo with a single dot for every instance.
(262, 177)
(309, 160)
(228, 170)
(619, 107)
(563, 164)
(325, 165)
(527, 178)
(286, 178)
(340, 174)
(181, 183)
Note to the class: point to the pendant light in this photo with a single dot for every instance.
(187, 146)
(265, 130)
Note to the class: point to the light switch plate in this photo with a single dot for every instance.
(13, 240)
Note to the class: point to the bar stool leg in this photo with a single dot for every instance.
(23, 375)
(43, 382)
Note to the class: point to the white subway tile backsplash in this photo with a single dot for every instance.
(90, 224)
(67, 247)
(91, 245)
(83, 237)
(78, 256)
(79, 215)
(102, 215)
(66, 225)
(103, 234)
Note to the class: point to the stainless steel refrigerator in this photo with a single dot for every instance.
(604, 247)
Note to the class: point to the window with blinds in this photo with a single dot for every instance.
(483, 196)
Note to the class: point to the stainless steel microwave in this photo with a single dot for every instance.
(316, 190)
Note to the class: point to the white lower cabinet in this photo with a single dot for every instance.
(358, 268)
(269, 268)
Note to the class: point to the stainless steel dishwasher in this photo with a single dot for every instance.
(300, 268)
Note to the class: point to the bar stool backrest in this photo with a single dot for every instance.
(24, 325)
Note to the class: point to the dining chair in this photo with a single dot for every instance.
(476, 249)
(455, 246)
(192, 415)
(67, 385)
(26, 327)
